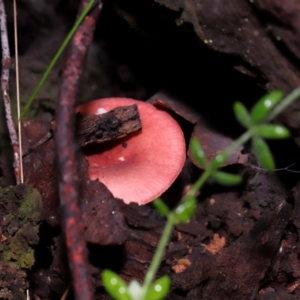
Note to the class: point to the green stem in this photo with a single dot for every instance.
(239, 142)
(206, 174)
(56, 56)
(157, 258)
(199, 183)
(289, 99)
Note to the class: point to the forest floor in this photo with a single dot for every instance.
(243, 242)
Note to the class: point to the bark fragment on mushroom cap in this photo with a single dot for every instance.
(141, 167)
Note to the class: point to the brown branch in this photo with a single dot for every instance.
(6, 62)
(97, 129)
(115, 124)
(66, 149)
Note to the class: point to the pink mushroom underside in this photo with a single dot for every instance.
(141, 167)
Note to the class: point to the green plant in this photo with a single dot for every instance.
(258, 129)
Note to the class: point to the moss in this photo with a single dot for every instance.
(21, 212)
(20, 249)
(6, 194)
(27, 199)
(31, 206)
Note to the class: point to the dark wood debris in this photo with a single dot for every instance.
(115, 124)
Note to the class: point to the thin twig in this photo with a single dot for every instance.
(275, 170)
(65, 294)
(18, 88)
(66, 148)
(6, 62)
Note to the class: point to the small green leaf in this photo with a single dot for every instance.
(272, 131)
(161, 207)
(265, 105)
(218, 161)
(115, 285)
(263, 153)
(186, 209)
(197, 152)
(226, 178)
(242, 114)
(159, 289)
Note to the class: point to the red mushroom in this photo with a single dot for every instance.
(142, 166)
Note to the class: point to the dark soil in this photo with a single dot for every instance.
(197, 58)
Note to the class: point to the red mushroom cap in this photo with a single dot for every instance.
(142, 166)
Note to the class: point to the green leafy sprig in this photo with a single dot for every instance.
(256, 122)
(258, 129)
